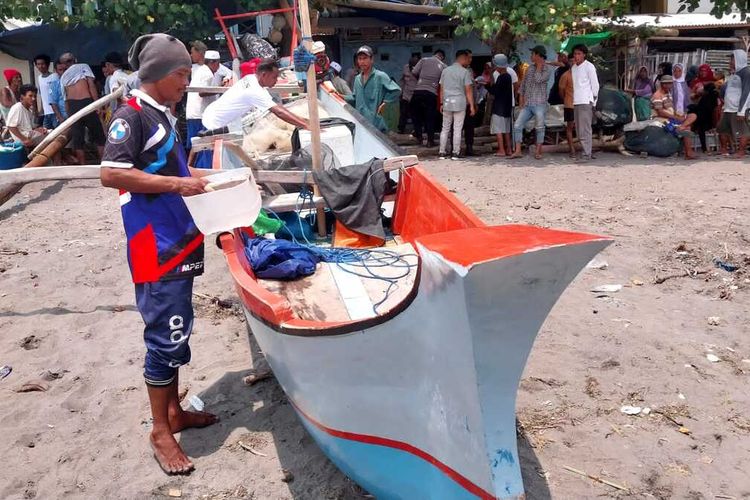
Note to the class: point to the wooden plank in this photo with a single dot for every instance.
(280, 87)
(290, 201)
(314, 298)
(333, 294)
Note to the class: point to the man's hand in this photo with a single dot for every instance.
(60, 118)
(381, 108)
(472, 110)
(27, 142)
(740, 118)
(190, 186)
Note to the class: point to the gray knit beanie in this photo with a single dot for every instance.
(157, 55)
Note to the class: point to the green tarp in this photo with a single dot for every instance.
(588, 40)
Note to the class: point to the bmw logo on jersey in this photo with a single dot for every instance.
(119, 131)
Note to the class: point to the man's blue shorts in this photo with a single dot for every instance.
(167, 310)
(203, 159)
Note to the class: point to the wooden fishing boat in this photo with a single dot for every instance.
(415, 398)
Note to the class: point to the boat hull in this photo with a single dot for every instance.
(423, 404)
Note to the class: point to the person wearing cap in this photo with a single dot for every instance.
(585, 94)
(339, 83)
(197, 102)
(249, 67)
(250, 93)
(200, 72)
(79, 87)
(424, 102)
(10, 93)
(662, 105)
(373, 89)
(501, 123)
(322, 63)
(533, 100)
(513, 75)
(145, 161)
(456, 92)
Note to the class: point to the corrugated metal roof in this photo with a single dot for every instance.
(678, 20)
(13, 24)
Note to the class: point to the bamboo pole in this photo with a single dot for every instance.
(64, 126)
(53, 173)
(39, 160)
(312, 102)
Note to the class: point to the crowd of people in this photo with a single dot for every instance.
(444, 103)
(688, 102)
(30, 111)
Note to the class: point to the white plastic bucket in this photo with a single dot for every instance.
(226, 208)
(338, 138)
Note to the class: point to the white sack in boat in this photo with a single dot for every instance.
(271, 132)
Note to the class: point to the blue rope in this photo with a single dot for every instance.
(360, 262)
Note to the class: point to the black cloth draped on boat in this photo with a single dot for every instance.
(354, 193)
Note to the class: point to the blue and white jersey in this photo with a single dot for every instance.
(163, 241)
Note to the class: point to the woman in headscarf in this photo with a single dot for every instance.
(643, 89)
(680, 90)
(9, 95)
(705, 75)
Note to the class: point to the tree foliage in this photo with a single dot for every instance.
(544, 19)
(132, 17)
(547, 20)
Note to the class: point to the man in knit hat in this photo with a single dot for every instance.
(144, 159)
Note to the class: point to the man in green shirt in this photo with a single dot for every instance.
(373, 89)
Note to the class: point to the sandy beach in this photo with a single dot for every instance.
(673, 339)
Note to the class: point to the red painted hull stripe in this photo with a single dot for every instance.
(399, 445)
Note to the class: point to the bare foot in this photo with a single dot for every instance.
(168, 453)
(500, 153)
(190, 419)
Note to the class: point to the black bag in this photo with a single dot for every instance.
(613, 108)
(254, 46)
(656, 141)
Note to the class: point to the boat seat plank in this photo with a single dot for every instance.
(335, 295)
(290, 201)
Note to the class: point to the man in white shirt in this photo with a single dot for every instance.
(22, 116)
(203, 76)
(42, 62)
(114, 63)
(585, 94)
(248, 94)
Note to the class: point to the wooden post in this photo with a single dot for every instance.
(312, 102)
